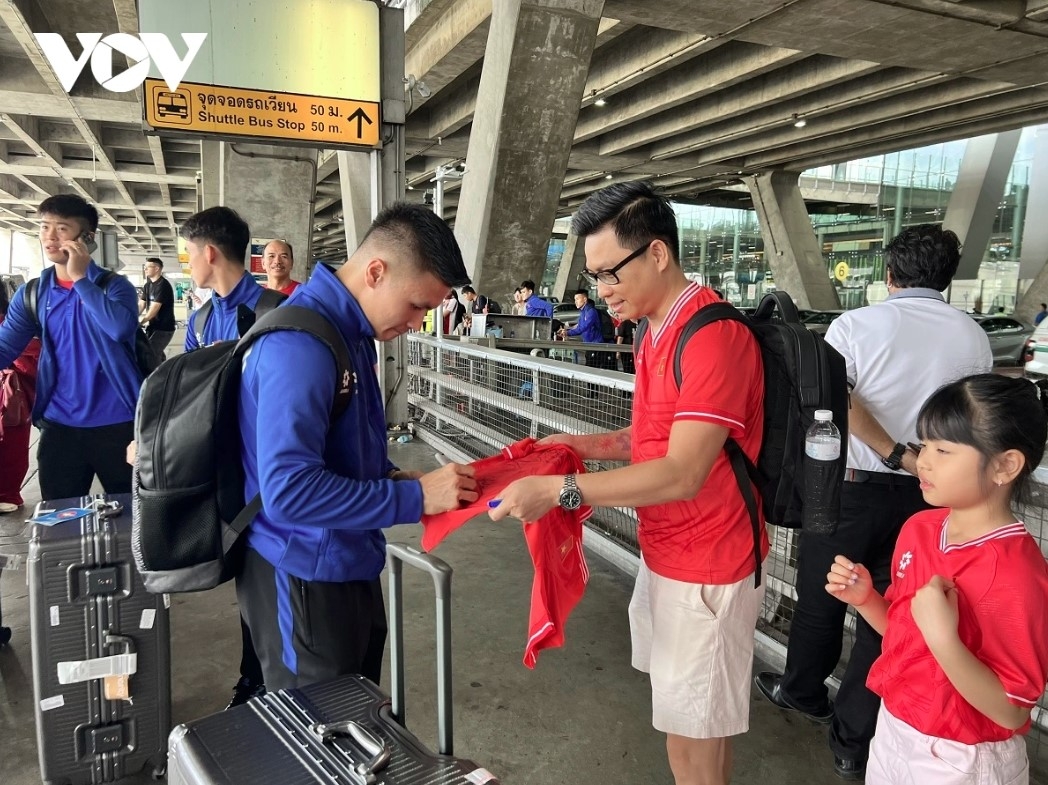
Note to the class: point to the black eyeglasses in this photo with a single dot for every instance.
(610, 276)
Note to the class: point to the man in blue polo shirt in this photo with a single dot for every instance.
(217, 239)
(533, 304)
(88, 379)
(310, 588)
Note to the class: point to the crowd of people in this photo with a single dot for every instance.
(951, 589)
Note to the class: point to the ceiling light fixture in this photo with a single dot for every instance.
(799, 122)
(600, 102)
(607, 176)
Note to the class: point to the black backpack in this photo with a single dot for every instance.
(802, 373)
(189, 507)
(493, 306)
(145, 358)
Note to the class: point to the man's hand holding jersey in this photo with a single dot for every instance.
(445, 488)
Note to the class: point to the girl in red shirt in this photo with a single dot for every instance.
(964, 621)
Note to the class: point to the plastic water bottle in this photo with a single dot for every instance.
(822, 475)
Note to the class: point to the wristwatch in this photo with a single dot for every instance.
(894, 460)
(570, 498)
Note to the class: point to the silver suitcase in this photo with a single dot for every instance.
(92, 623)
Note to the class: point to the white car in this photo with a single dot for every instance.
(1036, 353)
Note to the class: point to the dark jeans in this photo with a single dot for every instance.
(158, 341)
(68, 459)
(311, 631)
(250, 667)
(871, 517)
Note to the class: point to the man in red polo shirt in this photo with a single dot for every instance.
(695, 605)
(278, 260)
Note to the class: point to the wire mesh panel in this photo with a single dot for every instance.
(469, 401)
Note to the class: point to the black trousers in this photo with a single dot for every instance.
(158, 341)
(250, 667)
(871, 516)
(311, 631)
(68, 459)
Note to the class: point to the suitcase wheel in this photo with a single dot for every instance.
(5, 635)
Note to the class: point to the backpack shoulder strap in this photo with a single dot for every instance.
(267, 301)
(708, 314)
(31, 298)
(200, 320)
(638, 334)
(106, 278)
(309, 321)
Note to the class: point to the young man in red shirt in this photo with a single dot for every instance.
(695, 605)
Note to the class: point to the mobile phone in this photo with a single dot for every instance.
(89, 241)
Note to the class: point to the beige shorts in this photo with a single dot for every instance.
(696, 643)
(902, 755)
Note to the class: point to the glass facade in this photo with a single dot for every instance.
(856, 208)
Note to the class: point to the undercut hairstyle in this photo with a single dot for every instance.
(468, 290)
(155, 260)
(583, 292)
(924, 256)
(418, 232)
(635, 212)
(993, 414)
(527, 285)
(221, 227)
(70, 206)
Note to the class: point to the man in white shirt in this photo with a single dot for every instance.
(898, 353)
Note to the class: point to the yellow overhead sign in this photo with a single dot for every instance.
(840, 271)
(233, 111)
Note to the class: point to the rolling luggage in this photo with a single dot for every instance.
(341, 732)
(101, 647)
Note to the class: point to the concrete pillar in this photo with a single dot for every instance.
(211, 173)
(535, 68)
(1035, 227)
(273, 190)
(790, 245)
(354, 174)
(977, 194)
(571, 265)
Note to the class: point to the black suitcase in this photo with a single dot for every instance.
(343, 731)
(91, 617)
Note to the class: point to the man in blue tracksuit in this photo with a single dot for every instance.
(587, 327)
(533, 304)
(88, 379)
(310, 586)
(217, 240)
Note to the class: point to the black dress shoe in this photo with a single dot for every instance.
(848, 769)
(770, 685)
(244, 691)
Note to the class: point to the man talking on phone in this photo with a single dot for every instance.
(88, 379)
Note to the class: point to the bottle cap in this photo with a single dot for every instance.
(823, 415)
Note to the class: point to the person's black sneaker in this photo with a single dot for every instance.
(244, 691)
(848, 769)
(770, 685)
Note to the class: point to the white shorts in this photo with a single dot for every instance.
(696, 643)
(902, 755)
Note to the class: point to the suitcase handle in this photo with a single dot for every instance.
(397, 554)
(380, 753)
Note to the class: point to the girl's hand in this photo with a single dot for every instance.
(849, 582)
(934, 610)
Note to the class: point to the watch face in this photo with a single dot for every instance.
(570, 499)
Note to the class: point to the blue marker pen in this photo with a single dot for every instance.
(493, 503)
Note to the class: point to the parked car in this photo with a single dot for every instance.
(1035, 352)
(1008, 337)
(819, 321)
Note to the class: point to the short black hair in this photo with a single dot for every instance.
(583, 292)
(221, 227)
(468, 290)
(155, 260)
(993, 414)
(5, 302)
(527, 285)
(427, 237)
(70, 206)
(924, 256)
(636, 213)
(1044, 306)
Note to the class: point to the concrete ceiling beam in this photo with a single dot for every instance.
(445, 50)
